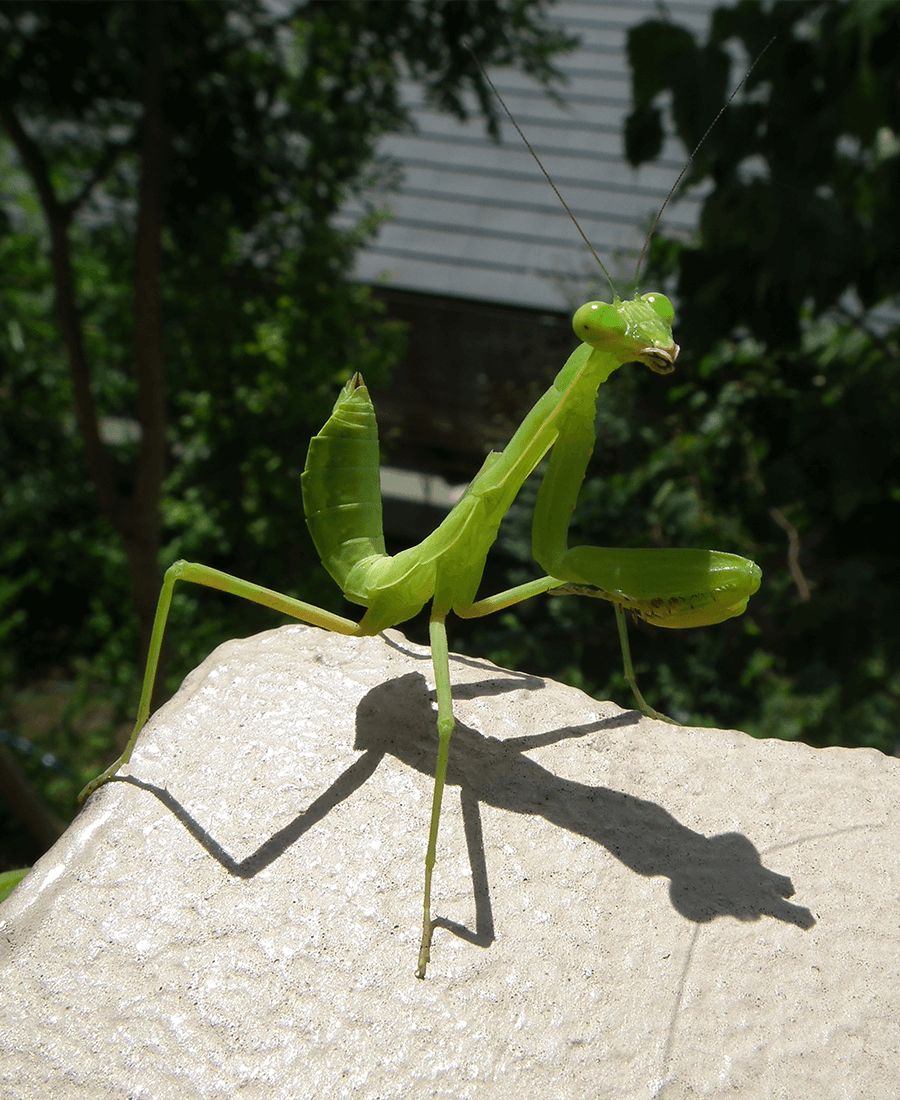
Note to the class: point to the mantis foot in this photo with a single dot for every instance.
(424, 948)
(100, 779)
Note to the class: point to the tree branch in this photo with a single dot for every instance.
(110, 155)
(58, 217)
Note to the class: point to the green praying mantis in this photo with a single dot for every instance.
(341, 498)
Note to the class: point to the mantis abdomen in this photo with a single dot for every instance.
(342, 502)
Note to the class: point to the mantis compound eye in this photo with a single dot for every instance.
(661, 306)
(598, 320)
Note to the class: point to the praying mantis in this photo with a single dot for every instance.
(673, 588)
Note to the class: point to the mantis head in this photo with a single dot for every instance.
(639, 330)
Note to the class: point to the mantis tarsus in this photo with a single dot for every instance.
(341, 499)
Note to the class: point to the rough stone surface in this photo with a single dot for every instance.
(627, 909)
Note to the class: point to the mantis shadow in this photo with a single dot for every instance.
(709, 876)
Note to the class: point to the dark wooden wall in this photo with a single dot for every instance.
(471, 372)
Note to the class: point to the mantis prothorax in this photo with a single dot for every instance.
(342, 503)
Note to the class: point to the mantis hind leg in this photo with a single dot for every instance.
(630, 678)
(445, 723)
(624, 645)
(224, 582)
(556, 587)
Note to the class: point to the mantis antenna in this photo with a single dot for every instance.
(543, 169)
(694, 152)
(673, 188)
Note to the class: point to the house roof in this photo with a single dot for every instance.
(477, 220)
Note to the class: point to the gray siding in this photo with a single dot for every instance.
(478, 221)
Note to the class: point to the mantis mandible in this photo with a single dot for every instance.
(342, 504)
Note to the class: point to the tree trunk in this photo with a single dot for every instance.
(142, 540)
(134, 517)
